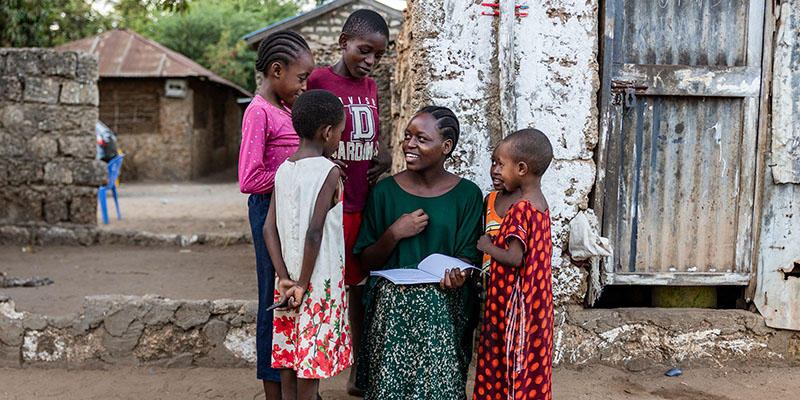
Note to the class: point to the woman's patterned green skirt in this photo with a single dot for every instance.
(417, 342)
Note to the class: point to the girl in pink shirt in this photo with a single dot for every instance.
(268, 139)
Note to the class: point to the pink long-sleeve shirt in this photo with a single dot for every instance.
(268, 139)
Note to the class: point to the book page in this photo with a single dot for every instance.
(429, 270)
(436, 264)
(407, 276)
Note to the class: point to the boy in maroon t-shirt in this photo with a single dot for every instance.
(363, 41)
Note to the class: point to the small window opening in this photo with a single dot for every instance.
(715, 297)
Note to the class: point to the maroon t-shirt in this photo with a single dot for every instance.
(360, 137)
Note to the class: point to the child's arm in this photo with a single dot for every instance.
(381, 163)
(253, 175)
(406, 226)
(273, 242)
(510, 258)
(485, 210)
(314, 235)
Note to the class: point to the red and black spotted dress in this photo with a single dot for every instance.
(515, 354)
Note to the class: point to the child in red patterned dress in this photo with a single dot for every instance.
(515, 352)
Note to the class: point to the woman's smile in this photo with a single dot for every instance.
(411, 157)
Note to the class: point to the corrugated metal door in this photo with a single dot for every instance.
(681, 85)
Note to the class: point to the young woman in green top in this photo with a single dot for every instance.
(418, 338)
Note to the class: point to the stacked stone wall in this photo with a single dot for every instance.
(48, 110)
(131, 330)
(155, 331)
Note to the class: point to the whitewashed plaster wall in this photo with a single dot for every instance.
(555, 88)
(498, 76)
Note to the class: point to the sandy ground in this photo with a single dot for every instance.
(190, 273)
(589, 383)
(214, 206)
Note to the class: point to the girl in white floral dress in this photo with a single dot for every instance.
(303, 231)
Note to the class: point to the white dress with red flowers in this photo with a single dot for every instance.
(314, 339)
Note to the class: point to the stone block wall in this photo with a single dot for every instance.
(155, 331)
(645, 338)
(157, 145)
(48, 109)
(131, 330)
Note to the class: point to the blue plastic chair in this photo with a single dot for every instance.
(113, 173)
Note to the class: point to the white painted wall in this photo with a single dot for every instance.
(555, 90)
(552, 86)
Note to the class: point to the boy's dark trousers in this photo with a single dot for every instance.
(258, 205)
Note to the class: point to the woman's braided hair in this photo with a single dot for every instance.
(282, 46)
(446, 122)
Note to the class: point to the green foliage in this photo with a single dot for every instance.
(73, 20)
(24, 23)
(46, 23)
(211, 31)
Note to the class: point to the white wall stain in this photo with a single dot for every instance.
(31, 351)
(8, 308)
(241, 342)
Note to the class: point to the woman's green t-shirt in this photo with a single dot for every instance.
(454, 223)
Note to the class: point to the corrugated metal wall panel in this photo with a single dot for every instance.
(671, 32)
(679, 186)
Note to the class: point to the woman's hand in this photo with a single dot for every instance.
(485, 243)
(453, 279)
(409, 225)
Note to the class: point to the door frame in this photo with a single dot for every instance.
(745, 268)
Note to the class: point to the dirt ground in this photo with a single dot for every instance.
(194, 273)
(211, 206)
(589, 383)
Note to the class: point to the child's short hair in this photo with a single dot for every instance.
(314, 109)
(363, 22)
(283, 46)
(446, 122)
(532, 147)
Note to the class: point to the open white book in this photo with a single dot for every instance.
(429, 270)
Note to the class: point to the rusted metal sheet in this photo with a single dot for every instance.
(786, 98)
(125, 53)
(778, 283)
(685, 32)
(679, 151)
(679, 178)
(678, 80)
(776, 287)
